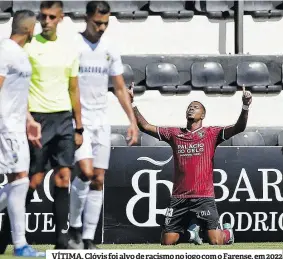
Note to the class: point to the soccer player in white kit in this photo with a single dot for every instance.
(98, 61)
(15, 124)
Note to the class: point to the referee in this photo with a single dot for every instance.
(54, 94)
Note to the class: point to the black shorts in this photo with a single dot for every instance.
(183, 211)
(58, 145)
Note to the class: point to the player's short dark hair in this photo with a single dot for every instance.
(18, 20)
(204, 110)
(101, 7)
(50, 4)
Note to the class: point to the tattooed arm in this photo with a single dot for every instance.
(143, 125)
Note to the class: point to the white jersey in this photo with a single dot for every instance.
(97, 63)
(15, 67)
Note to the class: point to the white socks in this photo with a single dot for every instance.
(86, 201)
(4, 192)
(92, 211)
(78, 196)
(192, 235)
(17, 210)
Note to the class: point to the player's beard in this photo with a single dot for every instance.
(48, 33)
(100, 34)
(95, 35)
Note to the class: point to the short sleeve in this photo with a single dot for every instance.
(116, 66)
(219, 133)
(216, 131)
(165, 133)
(74, 71)
(4, 63)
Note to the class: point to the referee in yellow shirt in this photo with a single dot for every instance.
(54, 94)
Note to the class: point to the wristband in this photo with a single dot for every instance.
(245, 107)
(79, 131)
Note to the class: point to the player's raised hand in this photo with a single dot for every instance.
(247, 96)
(34, 133)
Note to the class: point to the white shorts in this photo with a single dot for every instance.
(14, 153)
(96, 145)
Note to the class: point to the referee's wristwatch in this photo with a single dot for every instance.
(79, 131)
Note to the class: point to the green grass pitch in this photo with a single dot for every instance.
(253, 246)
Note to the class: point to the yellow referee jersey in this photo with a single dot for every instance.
(53, 63)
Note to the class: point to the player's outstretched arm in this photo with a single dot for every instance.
(143, 125)
(242, 121)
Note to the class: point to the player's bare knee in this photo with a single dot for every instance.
(87, 174)
(97, 181)
(215, 241)
(86, 170)
(168, 239)
(96, 184)
(62, 181)
(168, 242)
(36, 180)
(83, 177)
(33, 185)
(62, 177)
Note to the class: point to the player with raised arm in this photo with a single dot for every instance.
(15, 124)
(193, 191)
(98, 61)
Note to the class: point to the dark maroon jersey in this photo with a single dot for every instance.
(193, 153)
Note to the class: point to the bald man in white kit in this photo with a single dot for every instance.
(15, 124)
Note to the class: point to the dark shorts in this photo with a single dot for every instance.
(58, 146)
(183, 211)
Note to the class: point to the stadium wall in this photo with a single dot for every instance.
(136, 193)
(198, 36)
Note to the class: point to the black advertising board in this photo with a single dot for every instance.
(248, 187)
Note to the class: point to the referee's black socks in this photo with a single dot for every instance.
(61, 212)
